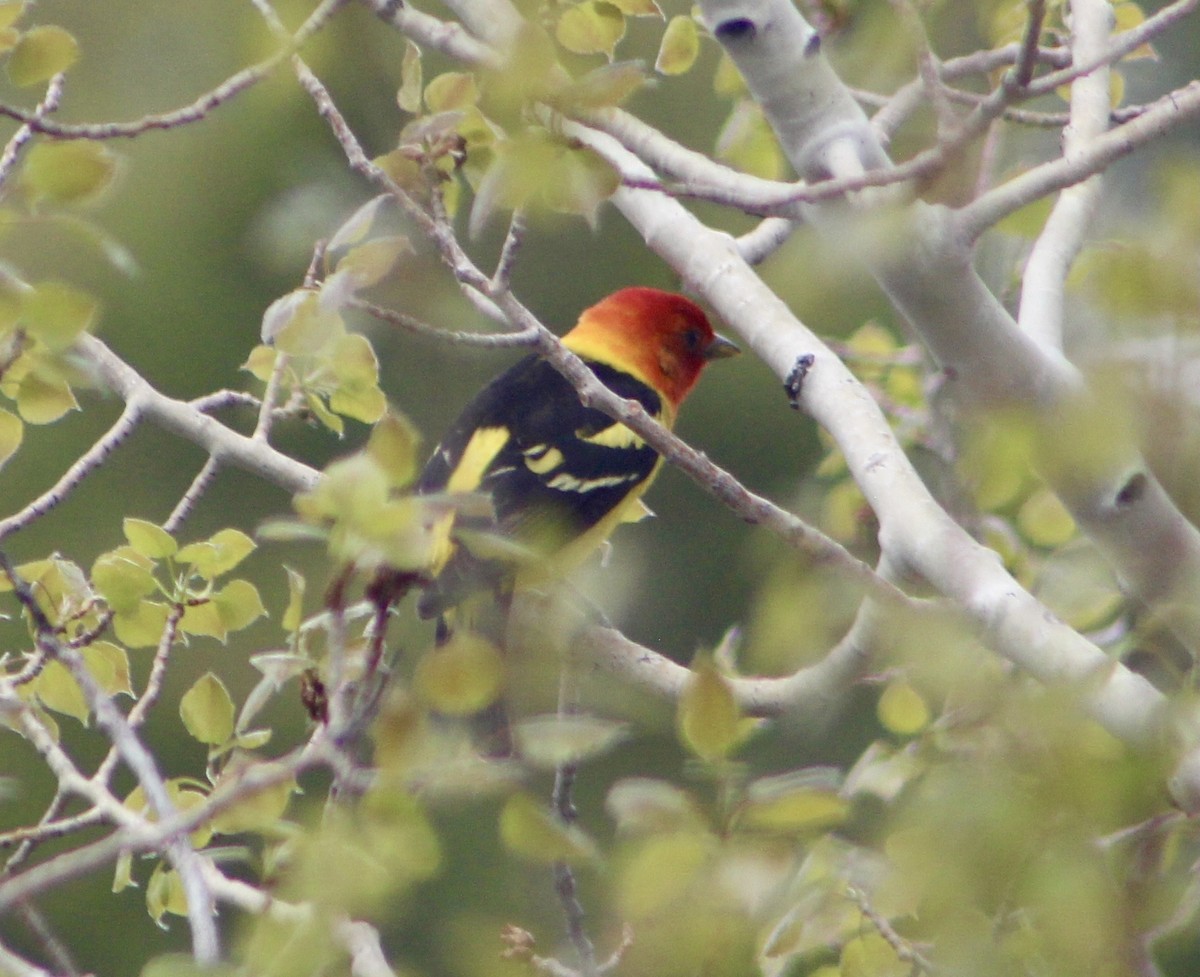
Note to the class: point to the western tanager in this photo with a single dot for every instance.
(562, 476)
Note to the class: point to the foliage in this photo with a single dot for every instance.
(928, 746)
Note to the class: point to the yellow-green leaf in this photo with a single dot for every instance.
(659, 871)
(164, 894)
(370, 262)
(393, 446)
(57, 313)
(56, 689)
(40, 54)
(10, 13)
(43, 400)
(451, 90)
(638, 8)
(239, 605)
(293, 614)
(1044, 521)
(148, 539)
(363, 402)
(680, 46)
(261, 362)
(12, 432)
(219, 554)
(727, 80)
(298, 324)
(461, 677)
(141, 626)
(748, 143)
(207, 710)
(1128, 16)
(802, 802)
(203, 620)
(122, 581)
(409, 95)
(551, 741)
(902, 709)
(109, 665)
(591, 27)
(531, 831)
(259, 811)
(645, 804)
(70, 172)
(708, 715)
(608, 85)
(582, 182)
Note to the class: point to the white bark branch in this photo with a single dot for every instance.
(914, 531)
(931, 281)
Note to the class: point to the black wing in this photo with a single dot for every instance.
(558, 468)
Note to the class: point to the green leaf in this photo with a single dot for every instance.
(643, 804)
(552, 741)
(219, 554)
(748, 143)
(369, 263)
(1044, 520)
(141, 626)
(149, 540)
(71, 172)
(806, 801)
(902, 709)
(40, 54)
(680, 46)
(207, 710)
(164, 894)
(293, 614)
(43, 400)
(56, 689)
(359, 401)
(462, 676)
(10, 13)
(261, 362)
(708, 715)
(393, 446)
(260, 810)
(608, 85)
(298, 324)
(727, 80)
(529, 830)
(450, 91)
(122, 581)
(661, 870)
(239, 605)
(638, 8)
(12, 432)
(203, 620)
(409, 95)
(591, 27)
(109, 665)
(57, 313)
(583, 181)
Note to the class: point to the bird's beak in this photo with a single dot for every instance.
(720, 348)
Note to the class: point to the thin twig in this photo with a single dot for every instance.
(200, 484)
(410, 324)
(200, 109)
(205, 945)
(12, 150)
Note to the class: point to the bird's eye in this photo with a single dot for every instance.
(691, 339)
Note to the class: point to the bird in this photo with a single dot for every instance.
(561, 476)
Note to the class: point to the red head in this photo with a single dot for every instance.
(661, 338)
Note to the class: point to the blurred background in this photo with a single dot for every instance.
(218, 219)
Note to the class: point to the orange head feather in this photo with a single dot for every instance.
(661, 338)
